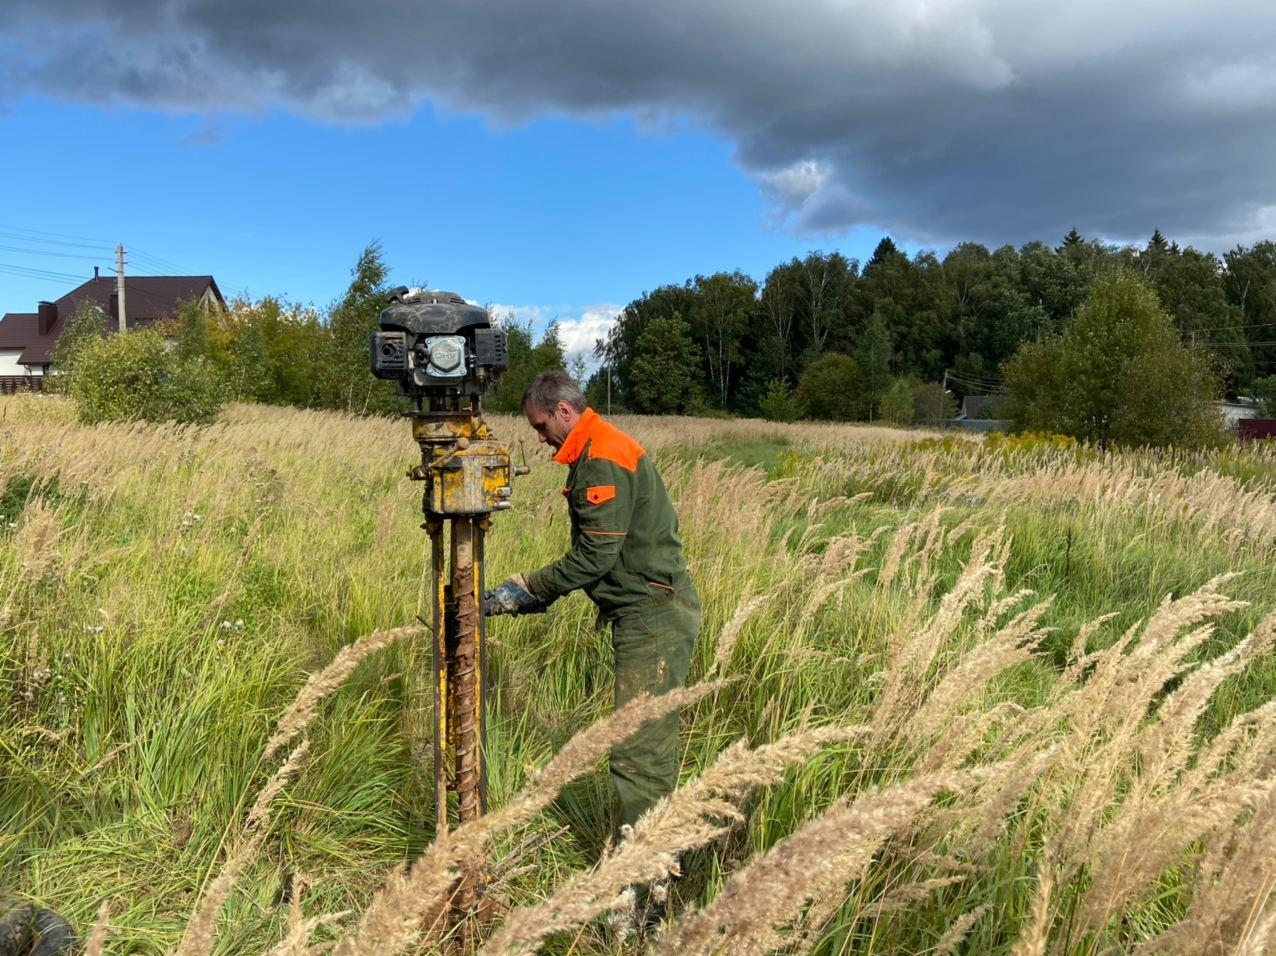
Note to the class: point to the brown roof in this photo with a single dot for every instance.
(18, 328)
(146, 299)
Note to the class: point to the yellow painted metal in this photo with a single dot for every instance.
(467, 475)
(442, 744)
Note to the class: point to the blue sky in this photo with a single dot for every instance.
(560, 157)
(559, 217)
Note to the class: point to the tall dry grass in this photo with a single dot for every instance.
(1061, 661)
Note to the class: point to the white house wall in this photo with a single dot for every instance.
(9, 362)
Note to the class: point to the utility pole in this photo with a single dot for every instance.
(608, 391)
(119, 284)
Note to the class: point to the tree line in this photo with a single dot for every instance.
(825, 337)
(820, 337)
(267, 351)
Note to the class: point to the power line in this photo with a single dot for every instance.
(972, 380)
(161, 263)
(60, 235)
(148, 263)
(974, 385)
(976, 378)
(34, 273)
(44, 252)
(21, 237)
(1229, 328)
(1232, 345)
(155, 262)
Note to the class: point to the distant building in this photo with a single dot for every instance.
(27, 338)
(984, 406)
(983, 413)
(1237, 410)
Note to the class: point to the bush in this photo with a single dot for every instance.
(135, 375)
(933, 405)
(832, 389)
(1117, 375)
(1009, 443)
(87, 325)
(778, 403)
(897, 402)
(1265, 394)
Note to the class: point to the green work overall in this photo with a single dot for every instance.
(627, 556)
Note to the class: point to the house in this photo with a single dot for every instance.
(27, 338)
(1236, 410)
(984, 407)
(983, 413)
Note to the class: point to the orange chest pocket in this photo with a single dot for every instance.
(597, 494)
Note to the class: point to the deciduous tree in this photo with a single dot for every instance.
(1117, 374)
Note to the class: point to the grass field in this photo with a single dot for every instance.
(1003, 696)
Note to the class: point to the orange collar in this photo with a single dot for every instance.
(576, 439)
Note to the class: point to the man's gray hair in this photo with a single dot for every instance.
(550, 388)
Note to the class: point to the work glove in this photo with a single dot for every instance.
(512, 596)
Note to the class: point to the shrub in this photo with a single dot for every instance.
(832, 388)
(778, 403)
(1265, 393)
(1117, 375)
(87, 325)
(897, 402)
(1011, 442)
(136, 375)
(933, 405)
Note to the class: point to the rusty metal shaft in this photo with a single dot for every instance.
(459, 759)
(467, 672)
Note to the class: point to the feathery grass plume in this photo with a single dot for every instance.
(813, 863)
(968, 733)
(1078, 658)
(1260, 938)
(323, 682)
(1170, 745)
(1036, 929)
(957, 933)
(693, 815)
(39, 529)
(98, 932)
(992, 802)
(392, 920)
(201, 929)
(813, 603)
(899, 898)
(1232, 898)
(730, 633)
(1155, 817)
(912, 649)
(1106, 712)
(300, 928)
(894, 555)
(1008, 648)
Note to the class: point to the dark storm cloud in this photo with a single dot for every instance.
(937, 120)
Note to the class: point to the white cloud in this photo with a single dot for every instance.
(578, 333)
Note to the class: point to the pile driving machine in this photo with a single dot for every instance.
(444, 354)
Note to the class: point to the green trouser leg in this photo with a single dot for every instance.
(653, 645)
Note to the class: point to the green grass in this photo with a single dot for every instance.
(168, 590)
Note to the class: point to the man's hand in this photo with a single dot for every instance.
(512, 596)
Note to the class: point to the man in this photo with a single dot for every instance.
(627, 556)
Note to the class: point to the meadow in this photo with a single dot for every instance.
(951, 695)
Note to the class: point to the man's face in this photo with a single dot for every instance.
(552, 427)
